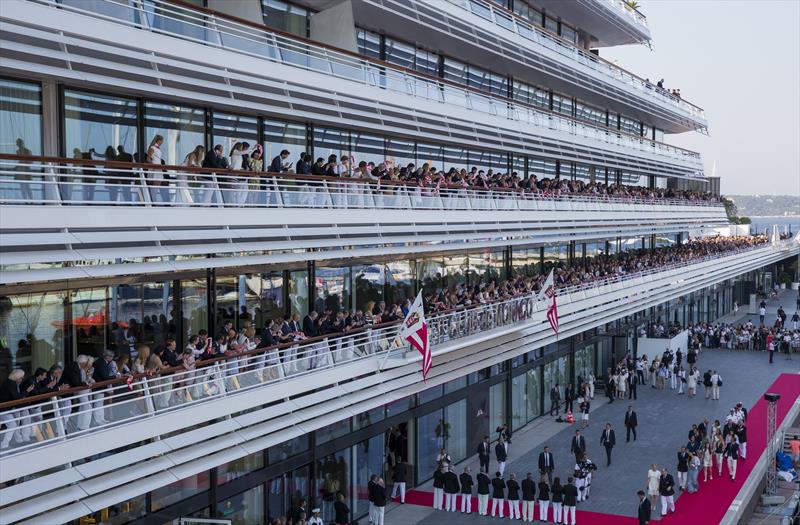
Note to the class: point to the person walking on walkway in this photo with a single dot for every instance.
(608, 439)
(498, 494)
(707, 384)
(466, 491)
(483, 493)
(644, 508)
(741, 434)
(578, 446)
(694, 471)
(528, 497)
(653, 483)
(501, 454)
(716, 383)
(546, 464)
(513, 497)
(708, 461)
(631, 422)
(666, 489)
(732, 455)
(683, 467)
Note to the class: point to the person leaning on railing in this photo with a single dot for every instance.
(12, 390)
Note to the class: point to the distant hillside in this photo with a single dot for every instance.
(765, 205)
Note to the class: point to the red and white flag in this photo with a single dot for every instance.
(552, 314)
(414, 330)
(549, 291)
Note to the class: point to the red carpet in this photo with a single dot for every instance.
(707, 506)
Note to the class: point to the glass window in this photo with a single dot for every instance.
(430, 154)
(239, 467)
(431, 433)
(33, 332)
(89, 327)
(365, 419)
(268, 287)
(533, 379)
(288, 449)
(333, 431)
(368, 281)
(456, 270)
(332, 289)
(455, 71)
(562, 104)
(400, 281)
(551, 24)
(194, 303)
(244, 508)
(399, 406)
(568, 33)
(120, 513)
(527, 12)
(279, 136)
(455, 384)
(99, 126)
(181, 127)
(368, 460)
(629, 125)
(519, 401)
(276, 497)
(400, 152)
(228, 129)
(330, 141)
(429, 394)
(298, 292)
(20, 118)
(555, 372)
(455, 424)
(369, 44)
(333, 476)
(426, 62)
(497, 405)
(367, 148)
(590, 114)
(141, 313)
(285, 16)
(531, 95)
(179, 490)
(399, 53)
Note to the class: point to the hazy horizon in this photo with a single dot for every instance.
(740, 62)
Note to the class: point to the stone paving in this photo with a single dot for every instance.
(664, 421)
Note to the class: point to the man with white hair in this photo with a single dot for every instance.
(17, 416)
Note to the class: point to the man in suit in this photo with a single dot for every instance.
(399, 480)
(570, 501)
(513, 497)
(451, 489)
(631, 421)
(483, 493)
(683, 467)
(608, 440)
(498, 494)
(555, 399)
(546, 464)
(466, 490)
(310, 328)
(483, 454)
(644, 508)
(215, 159)
(633, 381)
(501, 454)
(278, 164)
(528, 497)
(578, 446)
(666, 488)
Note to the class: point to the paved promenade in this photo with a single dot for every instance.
(664, 421)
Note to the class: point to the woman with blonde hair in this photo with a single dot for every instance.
(154, 156)
(708, 461)
(14, 417)
(193, 159)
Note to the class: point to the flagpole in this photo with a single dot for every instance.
(388, 351)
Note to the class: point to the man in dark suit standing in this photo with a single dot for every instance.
(466, 490)
(501, 453)
(608, 440)
(578, 446)
(546, 464)
(451, 489)
(483, 493)
(483, 454)
(528, 496)
(498, 494)
(631, 421)
(570, 500)
(644, 508)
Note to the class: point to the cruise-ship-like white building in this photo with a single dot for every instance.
(102, 252)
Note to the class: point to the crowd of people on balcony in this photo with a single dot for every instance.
(246, 164)
(211, 349)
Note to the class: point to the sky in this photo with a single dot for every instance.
(739, 60)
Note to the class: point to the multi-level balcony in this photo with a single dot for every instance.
(162, 429)
(500, 41)
(148, 226)
(191, 55)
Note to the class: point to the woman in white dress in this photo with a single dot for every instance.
(194, 159)
(157, 175)
(653, 479)
(239, 150)
(691, 382)
(708, 461)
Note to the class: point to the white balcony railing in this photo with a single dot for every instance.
(67, 415)
(210, 29)
(57, 181)
(504, 19)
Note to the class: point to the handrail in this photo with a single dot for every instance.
(286, 49)
(567, 48)
(65, 176)
(384, 328)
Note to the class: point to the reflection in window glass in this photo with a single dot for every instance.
(32, 328)
(183, 129)
(497, 405)
(286, 17)
(179, 490)
(431, 275)
(400, 280)
(99, 126)
(367, 148)
(119, 513)
(430, 438)
(368, 281)
(239, 467)
(298, 292)
(456, 270)
(333, 477)
(281, 136)
(331, 141)
(141, 313)
(365, 419)
(585, 361)
(455, 421)
(244, 508)
(333, 431)
(430, 154)
(562, 104)
(332, 289)
(369, 43)
(368, 460)
(288, 449)
(268, 290)
(533, 378)
(20, 118)
(195, 306)
(89, 326)
(228, 129)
